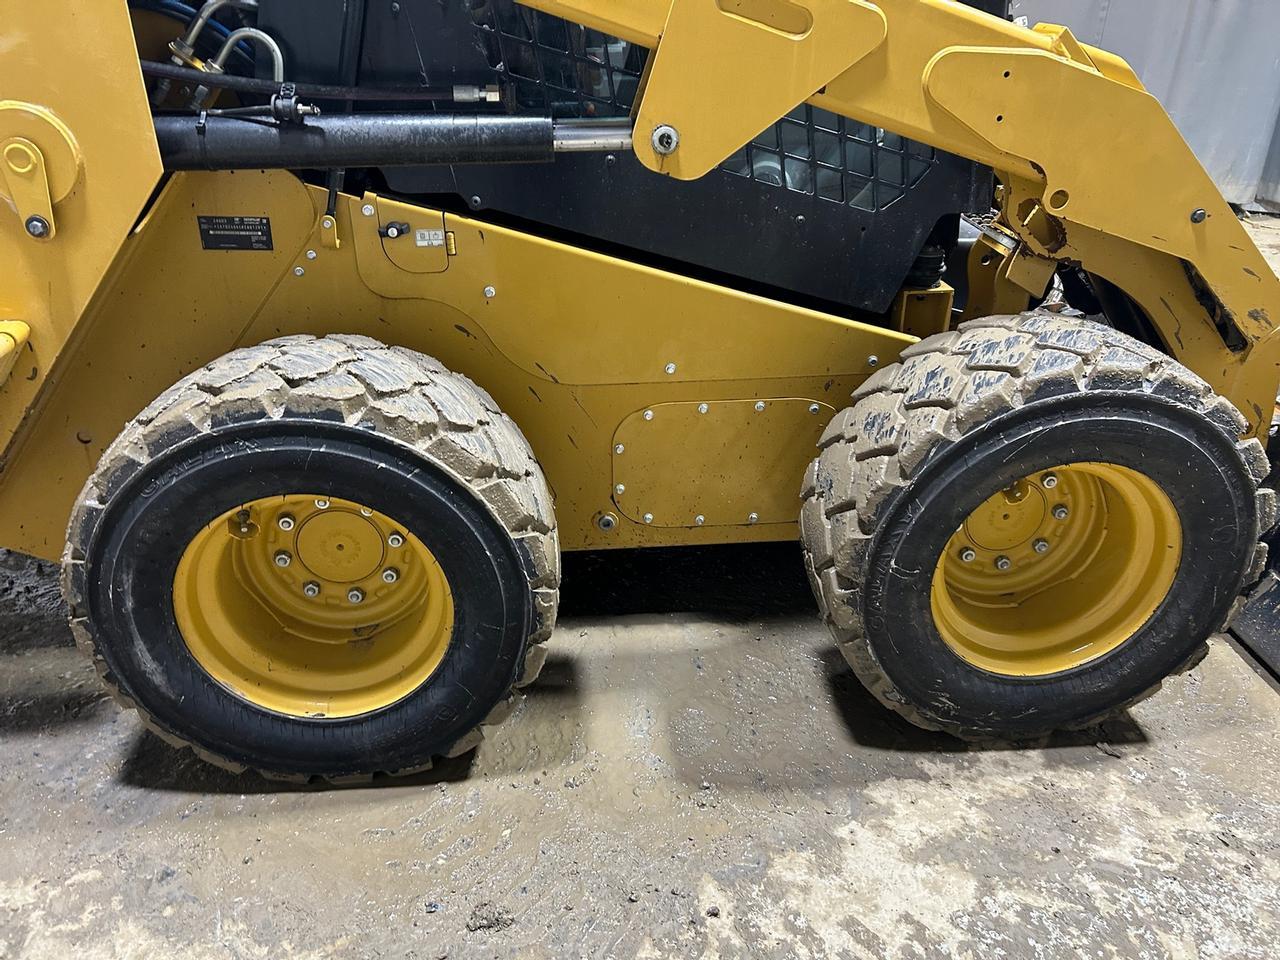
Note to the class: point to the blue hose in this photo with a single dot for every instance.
(180, 11)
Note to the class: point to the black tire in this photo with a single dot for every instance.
(342, 416)
(964, 415)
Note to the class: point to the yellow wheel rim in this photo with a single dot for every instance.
(1060, 569)
(313, 607)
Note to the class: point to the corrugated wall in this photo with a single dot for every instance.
(1215, 64)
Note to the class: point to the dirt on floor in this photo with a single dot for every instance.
(697, 774)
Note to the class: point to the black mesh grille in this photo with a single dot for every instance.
(572, 71)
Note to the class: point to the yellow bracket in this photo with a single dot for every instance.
(727, 69)
(27, 185)
(40, 164)
(13, 337)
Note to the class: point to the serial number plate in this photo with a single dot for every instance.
(235, 233)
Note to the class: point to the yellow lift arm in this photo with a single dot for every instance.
(1091, 168)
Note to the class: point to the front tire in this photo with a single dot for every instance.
(317, 557)
(1029, 523)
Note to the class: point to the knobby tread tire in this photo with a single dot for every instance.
(942, 388)
(398, 393)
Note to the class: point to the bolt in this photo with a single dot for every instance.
(670, 368)
(366, 512)
(285, 522)
(606, 522)
(648, 518)
(475, 203)
(38, 227)
(1049, 481)
(665, 140)
(490, 292)
(620, 489)
(299, 271)
(619, 449)
(283, 559)
(699, 520)
(968, 554)
(355, 595)
(327, 223)
(1003, 563)
(390, 575)
(1060, 512)
(311, 589)
(760, 405)
(814, 408)
(873, 361)
(1041, 546)
(703, 407)
(396, 540)
(368, 210)
(648, 414)
(753, 518)
(322, 504)
(311, 254)
(1199, 215)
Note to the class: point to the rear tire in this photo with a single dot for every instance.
(907, 534)
(410, 457)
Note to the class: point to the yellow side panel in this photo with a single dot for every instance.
(77, 63)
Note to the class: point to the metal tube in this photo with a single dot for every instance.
(360, 140)
(264, 39)
(585, 136)
(207, 12)
(314, 91)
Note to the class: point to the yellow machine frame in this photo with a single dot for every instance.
(671, 411)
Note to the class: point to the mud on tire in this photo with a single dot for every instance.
(994, 396)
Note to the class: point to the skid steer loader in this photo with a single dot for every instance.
(327, 324)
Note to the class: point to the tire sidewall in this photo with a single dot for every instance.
(140, 538)
(1192, 461)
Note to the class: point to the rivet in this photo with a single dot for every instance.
(968, 554)
(355, 595)
(620, 489)
(670, 368)
(1049, 481)
(311, 254)
(753, 518)
(283, 559)
(760, 405)
(1199, 215)
(648, 518)
(490, 292)
(814, 408)
(1003, 563)
(873, 361)
(311, 589)
(396, 540)
(703, 408)
(390, 575)
(368, 210)
(322, 504)
(648, 414)
(285, 522)
(1041, 546)
(699, 520)
(1060, 512)
(299, 271)
(619, 449)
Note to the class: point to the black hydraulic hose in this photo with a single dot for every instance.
(360, 140)
(310, 91)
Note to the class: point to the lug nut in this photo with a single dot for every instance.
(1049, 481)
(283, 559)
(285, 522)
(968, 555)
(1041, 546)
(1060, 512)
(311, 589)
(390, 575)
(355, 595)
(1003, 563)
(396, 540)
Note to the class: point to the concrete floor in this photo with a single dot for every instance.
(697, 774)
